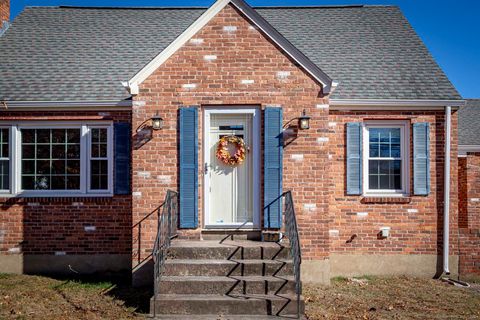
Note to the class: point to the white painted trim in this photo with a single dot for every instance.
(446, 190)
(109, 158)
(15, 158)
(405, 147)
(395, 103)
(463, 149)
(256, 122)
(36, 105)
(133, 84)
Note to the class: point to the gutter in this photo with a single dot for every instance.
(446, 188)
(126, 104)
(396, 103)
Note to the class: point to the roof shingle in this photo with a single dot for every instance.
(469, 123)
(72, 54)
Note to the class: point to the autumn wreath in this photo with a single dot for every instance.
(225, 156)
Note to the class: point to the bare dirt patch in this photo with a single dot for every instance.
(35, 297)
(391, 298)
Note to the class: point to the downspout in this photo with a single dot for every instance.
(446, 190)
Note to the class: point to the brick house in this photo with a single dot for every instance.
(468, 187)
(343, 106)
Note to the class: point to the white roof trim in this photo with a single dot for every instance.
(133, 84)
(396, 103)
(65, 104)
(464, 148)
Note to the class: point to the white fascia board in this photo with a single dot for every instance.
(175, 45)
(122, 104)
(395, 103)
(133, 84)
(463, 149)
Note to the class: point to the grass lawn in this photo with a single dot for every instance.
(391, 298)
(34, 297)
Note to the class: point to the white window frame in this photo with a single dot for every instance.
(84, 126)
(10, 171)
(109, 158)
(405, 157)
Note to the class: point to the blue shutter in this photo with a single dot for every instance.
(188, 167)
(122, 138)
(354, 158)
(421, 159)
(273, 159)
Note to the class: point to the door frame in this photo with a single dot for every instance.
(256, 177)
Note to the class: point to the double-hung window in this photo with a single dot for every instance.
(4, 159)
(385, 148)
(56, 158)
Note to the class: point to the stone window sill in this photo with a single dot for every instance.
(385, 199)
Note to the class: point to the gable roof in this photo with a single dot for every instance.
(469, 123)
(254, 18)
(73, 54)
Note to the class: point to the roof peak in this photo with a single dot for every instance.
(347, 6)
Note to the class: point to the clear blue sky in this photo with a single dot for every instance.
(451, 29)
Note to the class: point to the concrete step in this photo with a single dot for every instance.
(225, 305)
(225, 317)
(226, 285)
(210, 267)
(227, 250)
(218, 234)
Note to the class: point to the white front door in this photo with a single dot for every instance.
(230, 200)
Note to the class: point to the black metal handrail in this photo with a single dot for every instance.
(166, 231)
(291, 229)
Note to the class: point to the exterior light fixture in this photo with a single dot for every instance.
(157, 122)
(304, 121)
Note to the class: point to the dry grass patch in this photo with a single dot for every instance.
(391, 298)
(35, 297)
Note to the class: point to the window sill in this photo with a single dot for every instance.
(52, 198)
(386, 199)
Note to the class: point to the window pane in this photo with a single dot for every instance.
(98, 162)
(384, 174)
(99, 174)
(384, 142)
(28, 135)
(44, 159)
(43, 135)
(384, 150)
(28, 151)
(73, 135)
(73, 151)
(373, 182)
(58, 136)
(4, 162)
(58, 151)
(4, 175)
(42, 183)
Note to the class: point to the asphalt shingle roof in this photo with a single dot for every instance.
(469, 123)
(72, 54)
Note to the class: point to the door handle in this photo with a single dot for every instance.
(205, 170)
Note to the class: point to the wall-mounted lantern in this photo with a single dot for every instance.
(157, 122)
(304, 121)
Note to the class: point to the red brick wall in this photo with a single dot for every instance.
(462, 193)
(4, 11)
(47, 225)
(470, 215)
(242, 54)
(416, 226)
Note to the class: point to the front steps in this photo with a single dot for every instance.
(226, 280)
